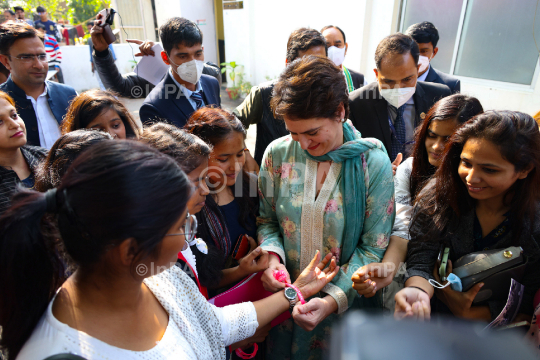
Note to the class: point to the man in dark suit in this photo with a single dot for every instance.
(426, 36)
(391, 108)
(337, 49)
(184, 89)
(41, 104)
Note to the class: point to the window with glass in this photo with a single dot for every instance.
(483, 39)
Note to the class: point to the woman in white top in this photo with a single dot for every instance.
(121, 214)
(444, 117)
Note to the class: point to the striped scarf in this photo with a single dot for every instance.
(218, 230)
(348, 77)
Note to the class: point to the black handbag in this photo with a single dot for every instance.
(495, 268)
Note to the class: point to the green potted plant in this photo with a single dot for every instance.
(233, 90)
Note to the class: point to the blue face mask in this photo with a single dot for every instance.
(453, 280)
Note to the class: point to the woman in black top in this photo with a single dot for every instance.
(18, 161)
(232, 207)
(485, 195)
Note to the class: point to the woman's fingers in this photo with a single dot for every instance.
(325, 261)
(315, 261)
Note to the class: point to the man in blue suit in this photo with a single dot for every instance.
(426, 36)
(184, 89)
(41, 104)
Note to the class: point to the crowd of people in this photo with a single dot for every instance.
(114, 236)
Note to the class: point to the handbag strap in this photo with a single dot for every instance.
(488, 262)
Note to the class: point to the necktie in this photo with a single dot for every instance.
(399, 134)
(197, 97)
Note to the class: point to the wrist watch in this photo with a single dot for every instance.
(290, 294)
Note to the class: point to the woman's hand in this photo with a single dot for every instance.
(255, 261)
(309, 315)
(268, 280)
(315, 276)
(412, 302)
(396, 163)
(372, 277)
(460, 303)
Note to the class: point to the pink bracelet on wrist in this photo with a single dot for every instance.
(280, 276)
(242, 355)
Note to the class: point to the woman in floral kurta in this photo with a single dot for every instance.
(286, 175)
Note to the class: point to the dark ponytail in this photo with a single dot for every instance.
(30, 268)
(109, 194)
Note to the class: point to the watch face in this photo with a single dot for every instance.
(290, 293)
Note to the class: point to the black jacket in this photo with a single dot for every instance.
(436, 76)
(255, 109)
(357, 79)
(59, 98)
(369, 110)
(9, 178)
(131, 85)
(166, 102)
(422, 255)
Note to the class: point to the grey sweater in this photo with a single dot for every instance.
(422, 256)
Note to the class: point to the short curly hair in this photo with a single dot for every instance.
(303, 39)
(310, 87)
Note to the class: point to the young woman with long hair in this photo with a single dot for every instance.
(444, 117)
(18, 161)
(231, 209)
(484, 196)
(123, 227)
(100, 110)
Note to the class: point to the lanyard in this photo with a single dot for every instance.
(393, 133)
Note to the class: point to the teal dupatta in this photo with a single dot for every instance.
(353, 185)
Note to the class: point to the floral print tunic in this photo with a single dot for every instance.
(294, 223)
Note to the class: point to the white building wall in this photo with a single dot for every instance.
(256, 37)
(199, 11)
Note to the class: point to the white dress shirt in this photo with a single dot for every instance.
(187, 93)
(48, 128)
(424, 75)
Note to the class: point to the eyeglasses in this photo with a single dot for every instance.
(30, 58)
(189, 229)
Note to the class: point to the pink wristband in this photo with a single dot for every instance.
(300, 296)
(243, 355)
(280, 276)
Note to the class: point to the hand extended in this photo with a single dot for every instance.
(251, 165)
(255, 261)
(145, 47)
(96, 33)
(268, 280)
(412, 302)
(459, 303)
(396, 163)
(309, 315)
(316, 275)
(372, 277)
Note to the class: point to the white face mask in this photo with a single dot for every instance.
(190, 71)
(336, 54)
(399, 96)
(423, 61)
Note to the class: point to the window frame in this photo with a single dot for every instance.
(476, 81)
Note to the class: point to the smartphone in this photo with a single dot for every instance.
(105, 21)
(241, 247)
